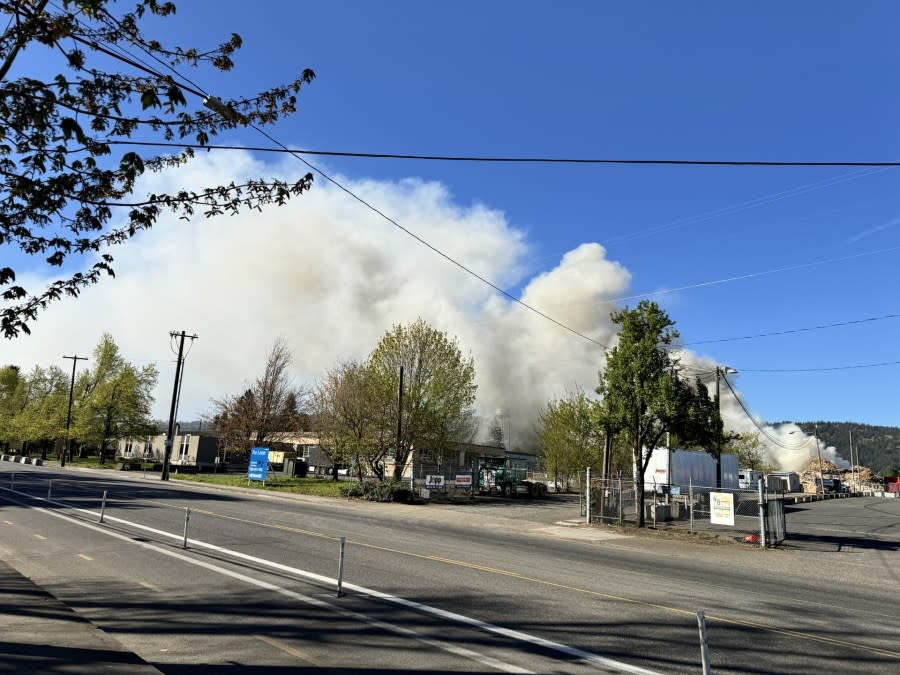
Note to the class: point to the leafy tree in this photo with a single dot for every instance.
(114, 399)
(12, 402)
(570, 437)
(353, 416)
(68, 166)
(643, 395)
(272, 404)
(749, 449)
(42, 419)
(438, 389)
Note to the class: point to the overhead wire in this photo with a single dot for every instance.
(792, 330)
(198, 91)
(752, 275)
(762, 430)
(536, 160)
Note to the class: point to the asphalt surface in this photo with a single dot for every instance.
(522, 583)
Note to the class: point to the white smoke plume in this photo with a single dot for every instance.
(331, 277)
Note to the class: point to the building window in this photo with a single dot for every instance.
(129, 446)
(185, 443)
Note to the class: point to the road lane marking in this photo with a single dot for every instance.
(450, 648)
(278, 644)
(147, 584)
(571, 651)
(39, 536)
(8, 522)
(86, 557)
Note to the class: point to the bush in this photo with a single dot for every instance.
(378, 491)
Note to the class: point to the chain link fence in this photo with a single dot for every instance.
(698, 509)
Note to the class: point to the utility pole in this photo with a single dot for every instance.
(170, 435)
(819, 454)
(75, 360)
(720, 373)
(412, 468)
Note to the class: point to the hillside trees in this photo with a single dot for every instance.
(271, 404)
(68, 175)
(643, 395)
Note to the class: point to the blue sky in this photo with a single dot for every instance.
(708, 80)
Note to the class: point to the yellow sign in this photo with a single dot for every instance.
(721, 508)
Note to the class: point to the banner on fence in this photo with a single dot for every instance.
(463, 480)
(434, 482)
(259, 464)
(721, 508)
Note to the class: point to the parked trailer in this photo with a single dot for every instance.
(681, 467)
(507, 477)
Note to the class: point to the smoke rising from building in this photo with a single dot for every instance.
(331, 277)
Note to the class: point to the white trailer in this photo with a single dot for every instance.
(682, 467)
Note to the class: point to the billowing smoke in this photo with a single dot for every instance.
(331, 277)
(786, 447)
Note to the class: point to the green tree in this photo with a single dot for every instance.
(353, 417)
(68, 169)
(114, 399)
(42, 419)
(749, 449)
(643, 395)
(12, 402)
(570, 437)
(438, 389)
(272, 404)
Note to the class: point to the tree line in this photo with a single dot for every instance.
(111, 399)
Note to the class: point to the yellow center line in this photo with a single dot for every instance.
(552, 584)
(278, 644)
(86, 557)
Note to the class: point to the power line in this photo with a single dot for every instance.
(793, 330)
(762, 430)
(283, 148)
(820, 370)
(517, 160)
(751, 275)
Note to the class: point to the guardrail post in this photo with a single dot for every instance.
(340, 580)
(103, 506)
(187, 517)
(704, 648)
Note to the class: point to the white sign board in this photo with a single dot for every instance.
(434, 482)
(463, 480)
(721, 508)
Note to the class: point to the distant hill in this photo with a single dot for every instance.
(879, 447)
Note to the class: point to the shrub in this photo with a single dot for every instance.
(379, 491)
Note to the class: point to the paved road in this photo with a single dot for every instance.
(470, 588)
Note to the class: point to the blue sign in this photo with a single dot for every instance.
(259, 464)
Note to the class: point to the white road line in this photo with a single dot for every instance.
(147, 584)
(349, 614)
(86, 557)
(520, 636)
(40, 536)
